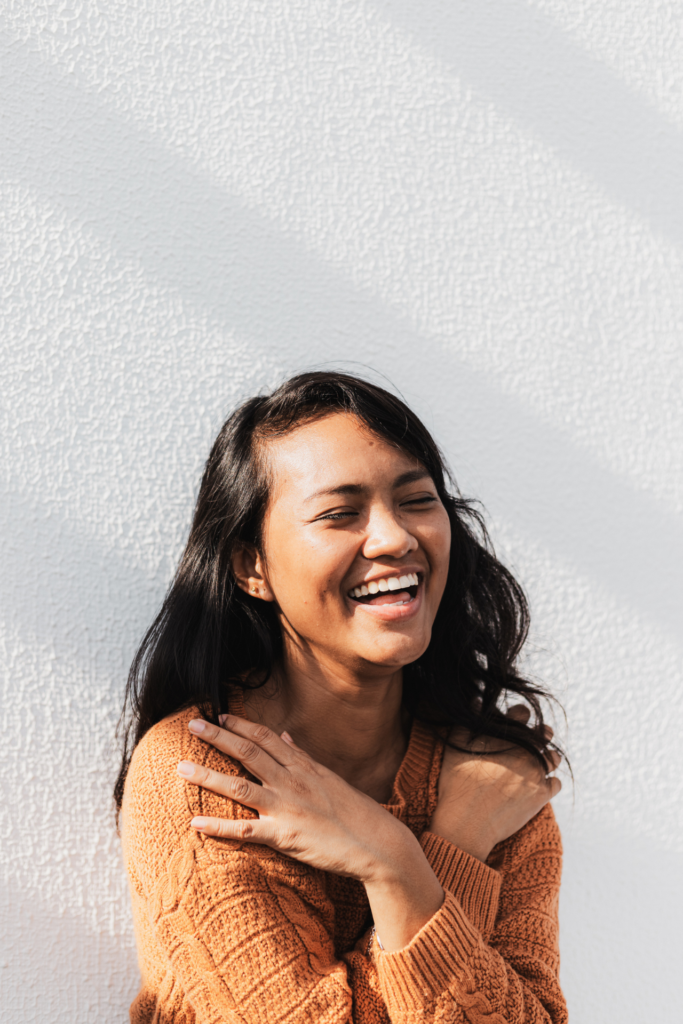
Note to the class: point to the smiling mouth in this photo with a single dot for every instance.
(390, 590)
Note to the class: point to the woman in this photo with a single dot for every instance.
(328, 814)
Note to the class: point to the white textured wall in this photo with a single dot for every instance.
(479, 198)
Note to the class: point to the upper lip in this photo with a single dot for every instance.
(393, 574)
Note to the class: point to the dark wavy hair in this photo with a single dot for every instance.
(210, 635)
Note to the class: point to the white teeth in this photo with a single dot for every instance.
(411, 579)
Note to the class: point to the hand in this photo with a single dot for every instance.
(305, 810)
(308, 812)
(489, 794)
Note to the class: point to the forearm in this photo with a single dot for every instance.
(404, 894)
(448, 973)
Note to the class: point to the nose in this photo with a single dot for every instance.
(387, 537)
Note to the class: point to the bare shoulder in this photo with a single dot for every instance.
(538, 841)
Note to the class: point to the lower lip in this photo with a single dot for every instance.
(392, 612)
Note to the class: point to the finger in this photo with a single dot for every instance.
(290, 742)
(519, 713)
(555, 786)
(242, 791)
(248, 830)
(275, 745)
(548, 732)
(553, 759)
(244, 748)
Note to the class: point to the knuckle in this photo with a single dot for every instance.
(241, 788)
(308, 765)
(246, 750)
(288, 838)
(225, 829)
(262, 734)
(244, 829)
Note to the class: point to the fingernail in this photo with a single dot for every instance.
(196, 725)
(198, 823)
(287, 737)
(186, 769)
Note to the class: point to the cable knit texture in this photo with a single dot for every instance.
(236, 933)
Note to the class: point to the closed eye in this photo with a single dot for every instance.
(336, 515)
(428, 499)
(423, 500)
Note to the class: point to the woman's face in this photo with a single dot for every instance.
(348, 511)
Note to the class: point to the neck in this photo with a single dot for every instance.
(353, 724)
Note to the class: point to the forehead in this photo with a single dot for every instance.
(335, 450)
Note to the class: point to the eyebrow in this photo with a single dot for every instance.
(410, 477)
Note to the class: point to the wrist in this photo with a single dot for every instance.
(401, 857)
(475, 848)
(404, 894)
(476, 843)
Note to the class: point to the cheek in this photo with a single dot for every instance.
(305, 574)
(437, 543)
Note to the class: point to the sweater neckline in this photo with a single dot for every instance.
(413, 770)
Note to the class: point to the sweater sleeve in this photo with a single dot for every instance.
(227, 933)
(474, 884)
(513, 978)
(246, 935)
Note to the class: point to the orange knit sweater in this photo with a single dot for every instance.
(236, 933)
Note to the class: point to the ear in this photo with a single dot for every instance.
(249, 569)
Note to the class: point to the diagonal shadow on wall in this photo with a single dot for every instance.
(153, 207)
(519, 59)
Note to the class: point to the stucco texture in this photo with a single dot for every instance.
(480, 199)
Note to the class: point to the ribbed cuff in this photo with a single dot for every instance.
(476, 885)
(418, 974)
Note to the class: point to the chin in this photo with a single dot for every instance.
(396, 655)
